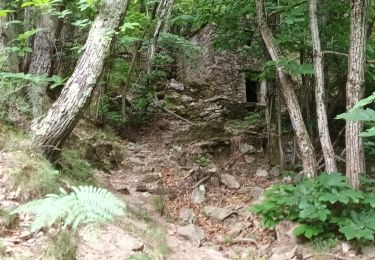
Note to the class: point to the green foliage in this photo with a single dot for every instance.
(61, 246)
(26, 171)
(359, 113)
(84, 205)
(203, 161)
(140, 256)
(75, 168)
(327, 204)
(159, 203)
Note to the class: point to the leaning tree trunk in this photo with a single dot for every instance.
(50, 131)
(165, 7)
(355, 160)
(41, 62)
(325, 140)
(303, 139)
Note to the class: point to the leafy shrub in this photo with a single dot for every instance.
(324, 205)
(85, 205)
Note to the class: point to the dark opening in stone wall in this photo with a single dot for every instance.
(251, 91)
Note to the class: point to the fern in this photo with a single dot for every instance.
(85, 205)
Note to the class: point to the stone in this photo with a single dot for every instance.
(187, 215)
(247, 149)
(249, 159)
(229, 181)
(254, 192)
(275, 171)
(345, 247)
(198, 194)
(216, 213)
(174, 84)
(135, 160)
(284, 232)
(107, 242)
(192, 232)
(261, 173)
(237, 228)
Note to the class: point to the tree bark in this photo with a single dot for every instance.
(165, 6)
(41, 62)
(355, 160)
(51, 130)
(303, 140)
(325, 140)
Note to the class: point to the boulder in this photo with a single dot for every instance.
(229, 181)
(237, 228)
(249, 159)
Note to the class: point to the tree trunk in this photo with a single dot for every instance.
(50, 131)
(41, 62)
(355, 160)
(303, 140)
(325, 140)
(165, 6)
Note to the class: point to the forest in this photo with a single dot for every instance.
(187, 129)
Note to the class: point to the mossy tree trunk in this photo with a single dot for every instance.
(50, 131)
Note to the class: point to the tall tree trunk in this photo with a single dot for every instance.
(303, 140)
(41, 62)
(50, 131)
(355, 160)
(165, 6)
(325, 140)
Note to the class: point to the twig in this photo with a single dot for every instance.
(201, 181)
(247, 240)
(173, 113)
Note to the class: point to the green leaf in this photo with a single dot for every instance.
(308, 231)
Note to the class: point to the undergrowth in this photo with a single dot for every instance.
(61, 246)
(324, 205)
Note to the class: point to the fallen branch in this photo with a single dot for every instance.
(201, 181)
(326, 254)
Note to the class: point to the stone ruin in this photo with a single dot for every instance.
(213, 84)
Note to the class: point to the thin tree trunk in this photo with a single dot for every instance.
(325, 140)
(41, 62)
(164, 7)
(50, 131)
(355, 160)
(303, 140)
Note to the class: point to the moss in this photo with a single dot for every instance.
(61, 246)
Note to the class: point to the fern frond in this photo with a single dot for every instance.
(85, 205)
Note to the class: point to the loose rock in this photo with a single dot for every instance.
(247, 149)
(187, 215)
(216, 213)
(192, 232)
(198, 194)
(237, 228)
(261, 173)
(229, 181)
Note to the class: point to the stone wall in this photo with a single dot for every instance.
(221, 73)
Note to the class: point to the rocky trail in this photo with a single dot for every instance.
(187, 197)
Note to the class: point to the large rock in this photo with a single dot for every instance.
(192, 232)
(229, 181)
(216, 213)
(108, 242)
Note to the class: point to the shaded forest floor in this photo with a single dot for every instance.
(188, 195)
